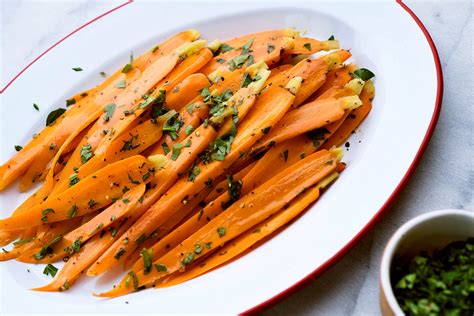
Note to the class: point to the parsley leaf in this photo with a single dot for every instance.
(53, 115)
(364, 74)
(50, 270)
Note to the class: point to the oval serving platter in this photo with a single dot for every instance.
(383, 36)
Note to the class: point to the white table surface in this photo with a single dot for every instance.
(444, 178)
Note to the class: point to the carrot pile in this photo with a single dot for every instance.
(185, 158)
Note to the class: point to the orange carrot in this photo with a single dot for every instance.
(260, 49)
(309, 46)
(85, 195)
(354, 119)
(186, 91)
(190, 65)
(242, 243)
(269, 109)
(266, 200)
(242, 40)
(71, 241)
(165, 178)
(192, 115)
(277, 159)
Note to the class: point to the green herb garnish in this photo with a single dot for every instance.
(147, 256)
(50, 270)
(109, 110)
(53, 115)
(364, 74)
(86, 153)
(77, 69)
(437, 284)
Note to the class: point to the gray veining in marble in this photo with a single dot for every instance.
(444, 178)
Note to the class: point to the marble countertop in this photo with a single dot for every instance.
(444, 178)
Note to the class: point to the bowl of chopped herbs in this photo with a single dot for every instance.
(428, 266)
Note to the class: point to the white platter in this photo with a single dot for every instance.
(382, 36)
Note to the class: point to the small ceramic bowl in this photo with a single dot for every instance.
(426, 232)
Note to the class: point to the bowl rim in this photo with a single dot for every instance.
(395, 240)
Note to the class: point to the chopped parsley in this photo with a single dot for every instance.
(221, 231)
(70, 102)
(166, 148)
(331, 38)
(132, 276)
(364, 74)
(318, 136)
(119, 253)
(246, 47)
(73, 179)
(53, 115)
(224, 48)
(77, 69)
(220, 60)
(109, 110)
(172, 126)
(147, 256)
(121, 84)
(86, 153)
(127, 68)
(36, 106)
(307, 46)
(74, 247)
(193, 173)
(45, 213)
(72, 211)
(18, 147)
(237, 62)
(46, 249)
(270, 48)
(160, 267)
(50, 270)
(266, 130)
(197, 249)
(188, 259)
(188, 130)
(437, 284)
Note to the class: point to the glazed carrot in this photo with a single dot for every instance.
(95, 247)
(192, 115)
(242, 101)
(308, 117)
(68, 122)
(132, 142)
(313, 72)
(277, 159)
(355, 117)
(336, 79)
(198, 141)
(235, 247)
(186, 91)
(126, 102)
(243, 214)
(267, 50)
(242, 40)
(223, 185)
(44, 236)
(309, 46)
(190, 65)
(71, 241)
(85, 195)
(242, 243)
(165, 48)
(80, 261)
(268, 110)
